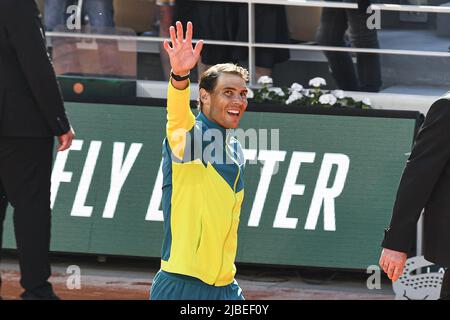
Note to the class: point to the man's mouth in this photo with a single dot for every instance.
(235, 113)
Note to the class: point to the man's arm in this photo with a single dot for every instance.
(430, 154)
(180, 118)
(182, 59)
(26, 36)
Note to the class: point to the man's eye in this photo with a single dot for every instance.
(228, 93)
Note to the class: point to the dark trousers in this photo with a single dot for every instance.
(25, 171)
(333, 26)
(100, 12)
(445, 289)
(3, 205)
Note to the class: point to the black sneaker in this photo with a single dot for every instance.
(29, 295)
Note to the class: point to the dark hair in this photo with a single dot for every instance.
(208, 79)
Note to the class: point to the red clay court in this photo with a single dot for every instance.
(130, 279)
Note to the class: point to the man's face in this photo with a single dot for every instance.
(227, 103)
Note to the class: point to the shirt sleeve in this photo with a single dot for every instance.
(180, 119)
(26, 35)
(429, 157)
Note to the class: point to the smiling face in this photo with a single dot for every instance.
(226, 104)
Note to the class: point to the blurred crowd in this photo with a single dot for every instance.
(229, 22)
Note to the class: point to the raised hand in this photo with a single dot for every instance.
(181, 54)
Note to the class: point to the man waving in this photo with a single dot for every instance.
(203, 187)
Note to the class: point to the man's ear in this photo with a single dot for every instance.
(204, 96)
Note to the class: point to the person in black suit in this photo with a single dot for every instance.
(335, 24)
(3, 206)
(425, 184)
(31, 114)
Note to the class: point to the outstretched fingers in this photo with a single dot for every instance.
(180, 32)
(180, 50)
(189, 32)
(166, 46)
(198, 48)
(173, 37)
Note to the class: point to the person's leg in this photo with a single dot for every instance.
(224, 18)
(101, 19)
(233, 292)
(166, 19)
(368, 64)
(170, 286)
(331, 31)
(54, 13)
(3, 206)
(100, 12)
(159, 285)
(270, 27)
(445, 289)
(25, 171)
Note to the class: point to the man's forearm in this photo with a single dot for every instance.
(180, 85)
(179, 114)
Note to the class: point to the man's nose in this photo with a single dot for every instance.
(239, 99)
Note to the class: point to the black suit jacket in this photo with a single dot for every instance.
(425, 184)
(31, 104)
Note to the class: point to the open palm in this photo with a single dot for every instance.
(182, 56)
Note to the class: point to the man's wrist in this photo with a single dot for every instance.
(179, 75)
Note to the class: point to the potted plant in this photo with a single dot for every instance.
(297, 95)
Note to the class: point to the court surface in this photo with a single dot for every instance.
(130, 279)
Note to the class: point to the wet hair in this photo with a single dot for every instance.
(208, 79)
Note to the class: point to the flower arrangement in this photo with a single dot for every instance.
(298, 95)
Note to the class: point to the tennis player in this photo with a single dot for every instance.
(203, 185)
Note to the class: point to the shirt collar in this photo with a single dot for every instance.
(210, 124)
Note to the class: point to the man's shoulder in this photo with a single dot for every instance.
(446, 95)
(443, 100)
(441, 107)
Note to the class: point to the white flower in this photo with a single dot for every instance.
(294, 97)
(278, 91)
(308, 93)
(296, 87)
(366, 101)
(317, 82)
(327, 99)
(250, 93)
(338, 94)
(265, 80)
